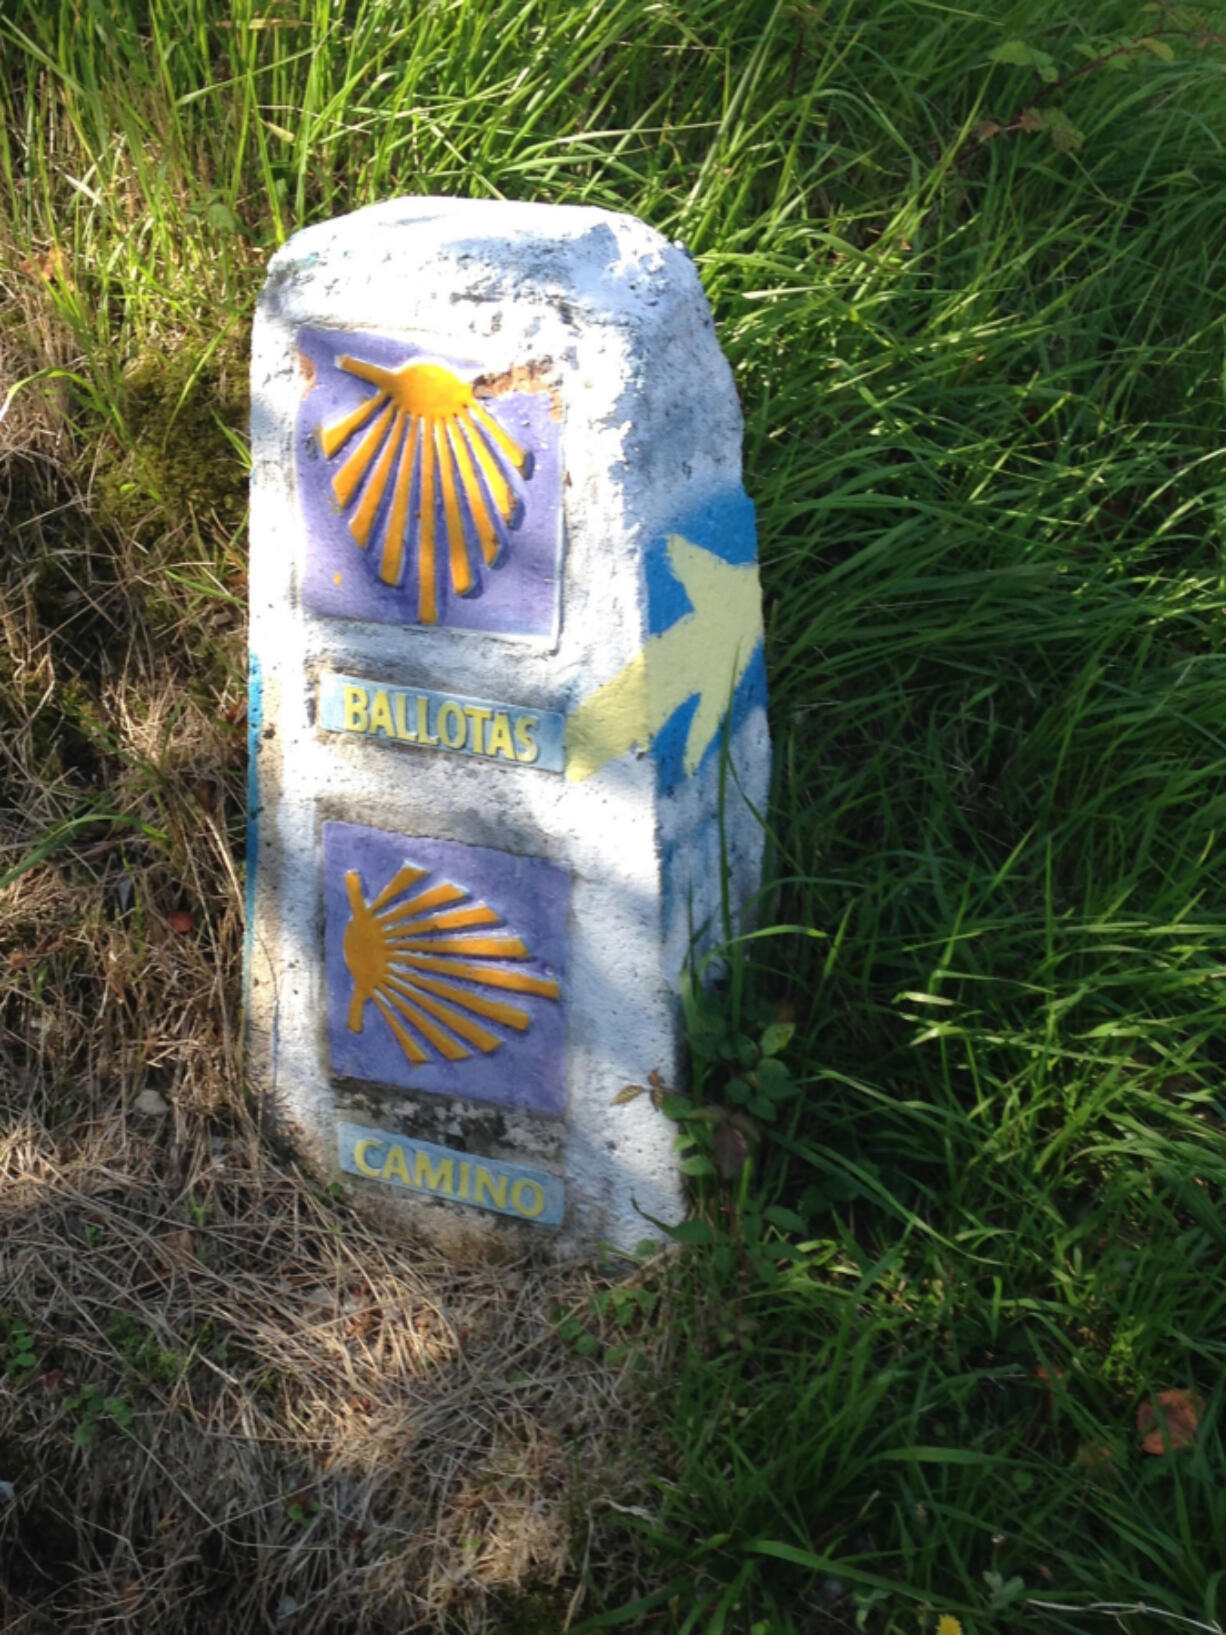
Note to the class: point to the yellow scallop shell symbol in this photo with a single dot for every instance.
(424, 962)
(433, 471)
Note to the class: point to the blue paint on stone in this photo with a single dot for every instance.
(725, 525)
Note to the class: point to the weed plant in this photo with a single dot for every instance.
(967, 263)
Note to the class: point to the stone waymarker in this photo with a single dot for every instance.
(504, 618)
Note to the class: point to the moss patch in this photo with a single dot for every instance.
(539, 1613)
(179, 466)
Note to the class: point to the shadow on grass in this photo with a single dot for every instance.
(224, 1402)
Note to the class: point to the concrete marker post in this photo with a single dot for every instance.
(504, 618)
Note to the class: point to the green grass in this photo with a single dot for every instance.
(983, 385)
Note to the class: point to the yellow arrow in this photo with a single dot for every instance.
(705, 653)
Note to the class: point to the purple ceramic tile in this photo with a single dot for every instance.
(446, 967)
(491, 480)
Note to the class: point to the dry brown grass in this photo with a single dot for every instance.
(316, 1429)
(328, 1432)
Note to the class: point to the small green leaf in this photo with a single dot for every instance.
(766, 1269)
(708, 1035)
(692, 1232)
(831, 1191)
(624, 1310)
(1015, 52)
(787, 1219)
(786, 1251)
(699, 1164)
(1065, 136)
(775, 1080)
(221, 217)
(674, 1106)
(708, 1114)
(777, 1037)
(724, 1260)
(1160, 48)
(1003, 1593)
(738, 1090)
(85, 1433)
(1020, 55)
(586, 1344)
